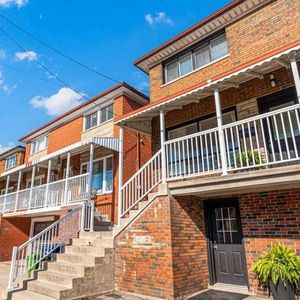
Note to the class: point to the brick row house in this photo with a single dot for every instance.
(197, 181)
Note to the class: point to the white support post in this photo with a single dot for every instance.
(220, 130)
(6, 191)
(92, 215)
(162, 141)
(47, 183)
(91, 163)
(12, 269)
(31, 187)
(67, 177)
(120, 179)
(295, 72)
(82, 221)
(18, 189)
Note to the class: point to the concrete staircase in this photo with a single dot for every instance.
(85, 268)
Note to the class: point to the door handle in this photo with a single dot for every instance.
(215, 246)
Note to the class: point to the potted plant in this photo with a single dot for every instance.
(279, 269)
(248, 158)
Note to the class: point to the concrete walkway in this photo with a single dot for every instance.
(4, 272)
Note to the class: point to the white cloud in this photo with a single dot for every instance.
(26, 55)
(4, 148)
(8, 3)
(159, 18)
(7, 88)
(2, 54)
(58, 103)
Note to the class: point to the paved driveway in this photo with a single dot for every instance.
(4, 272)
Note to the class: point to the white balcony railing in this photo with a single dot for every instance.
(262, 141)
(47, 195)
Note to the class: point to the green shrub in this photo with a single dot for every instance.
(253, 158)
(280, 262)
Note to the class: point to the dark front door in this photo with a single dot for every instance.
(282, 131)
(40, 226)
(226, 242)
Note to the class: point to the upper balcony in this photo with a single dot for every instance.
(62, 178)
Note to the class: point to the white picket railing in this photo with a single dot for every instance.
(29, 256)
(264, 140)
(141, 183)
(267, 139)
(47, 195)
(193, 155)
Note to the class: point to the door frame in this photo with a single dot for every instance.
(208, 205)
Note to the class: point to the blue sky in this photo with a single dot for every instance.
(106, 35)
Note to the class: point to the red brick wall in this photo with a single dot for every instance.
(13, 232)
(65, 135)
(266, 218)
(163, 253)
(270, 28)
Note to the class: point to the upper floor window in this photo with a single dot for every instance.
(196, 58)
(11, 162)
(39, 144)
(98, 117)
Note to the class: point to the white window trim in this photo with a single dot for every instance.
(98, 111)
(39, 177)
(36, 220)
(104, 172)
(12, 156)
(10, 190)
(37, 139)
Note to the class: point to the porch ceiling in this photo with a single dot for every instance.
(141, 120)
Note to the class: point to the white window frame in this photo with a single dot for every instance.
(15, 156)
(10, 190)
(177, 59)
(39, 177)
(45, 137)
(104, 183)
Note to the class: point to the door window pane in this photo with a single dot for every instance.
(109, 174)
(185, 64)
(219, 47)
(202, 57)
(172, 71)
(97, 181)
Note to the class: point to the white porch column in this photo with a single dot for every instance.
(18, 189)
(47, 183)
(31, 187)
(220, 130)
(91, 163)
(162, 140)
(67, 177)
(6, 191)
(295, 72)
(120, 179)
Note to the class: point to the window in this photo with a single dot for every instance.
(102, 181)
(182, 131)
(98, 117)
(37, 181)
(39, 145)
(209, 123)
(11, 162)
(91, 120)
(198, 57)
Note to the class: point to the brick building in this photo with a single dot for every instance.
(224, 121)
(199, 182)
(51, 175)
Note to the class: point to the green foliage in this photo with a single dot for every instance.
(253, 158)
(280, 262)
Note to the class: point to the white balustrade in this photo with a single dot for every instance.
(141, 183)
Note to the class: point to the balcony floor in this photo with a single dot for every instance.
(277, 178)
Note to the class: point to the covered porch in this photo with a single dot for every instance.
(63, 178)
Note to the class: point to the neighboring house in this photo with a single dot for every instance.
(224, 121)
(54, 175)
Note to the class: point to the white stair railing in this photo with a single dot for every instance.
(141, 183)
(29, 256)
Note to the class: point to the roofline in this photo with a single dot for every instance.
(117, 86)
(226, 73)
(189, 30)
(19, 147)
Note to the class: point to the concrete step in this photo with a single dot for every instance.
(89, 250)
(66, 268)
(46, 288)
(28, 295)
(98, 228)
(62, 279)
(101, 242)
(104, 242)
(95, 234)
(83, 260)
